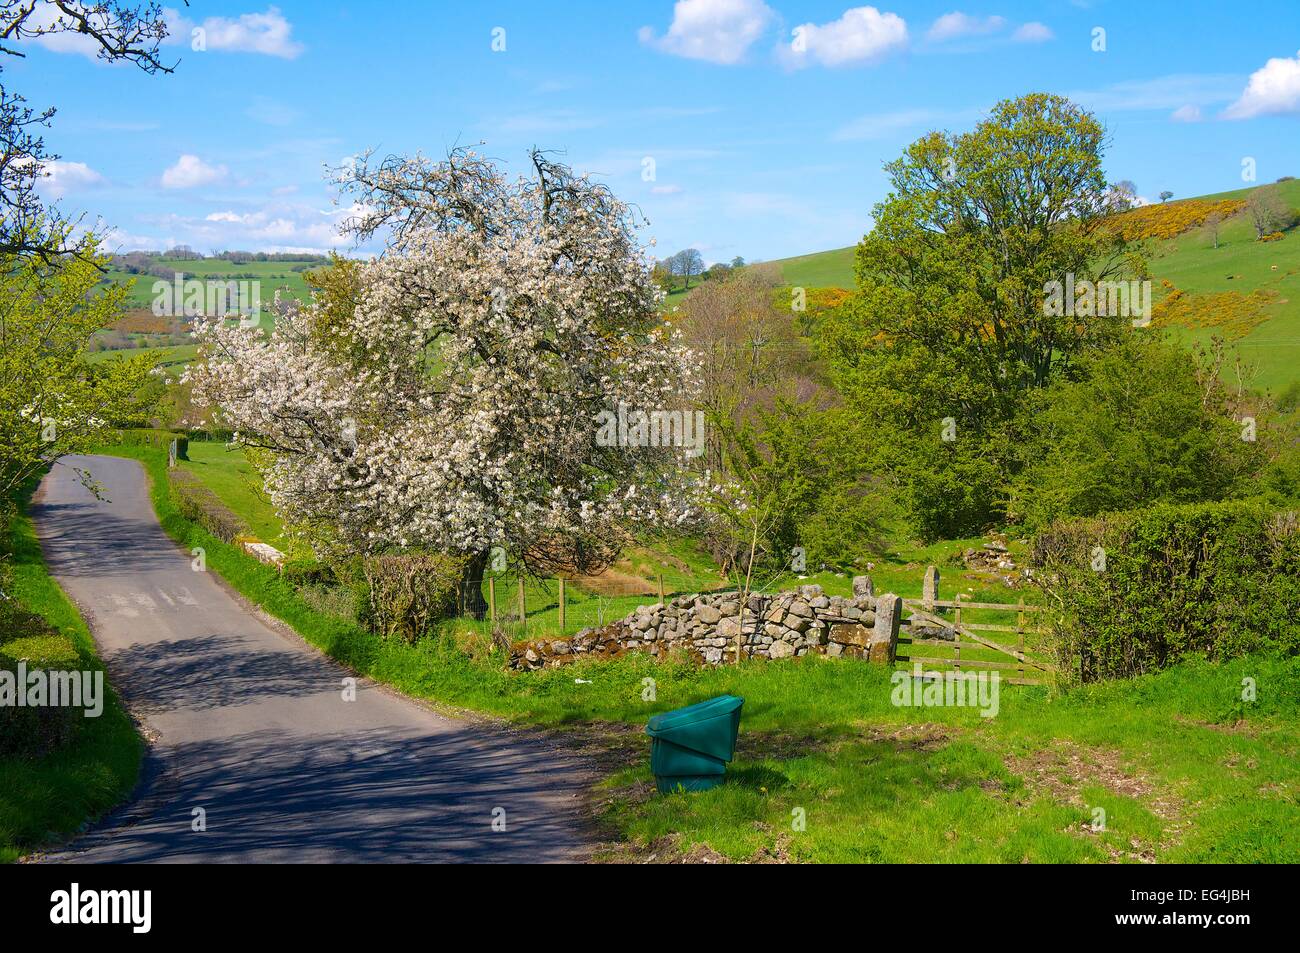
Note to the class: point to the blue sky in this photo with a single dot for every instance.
(767, 121)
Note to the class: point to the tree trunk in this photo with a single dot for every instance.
(472, 602)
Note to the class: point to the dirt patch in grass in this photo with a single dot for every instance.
(921, 737)
(613, 746)
(1064, 768)
(669, 850)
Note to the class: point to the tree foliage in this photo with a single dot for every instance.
(52, 401)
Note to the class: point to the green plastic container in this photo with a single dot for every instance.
(691, 746)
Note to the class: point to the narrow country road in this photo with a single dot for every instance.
(250, 725)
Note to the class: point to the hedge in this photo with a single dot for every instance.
(405, 595)
(200, 505)
(147, 437)
(1138, 591)
(27, 638)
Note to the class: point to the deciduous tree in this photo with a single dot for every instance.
(447, 395)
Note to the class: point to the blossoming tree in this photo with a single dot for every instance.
(446, 394)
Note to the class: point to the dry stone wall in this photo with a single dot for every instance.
(710, 628)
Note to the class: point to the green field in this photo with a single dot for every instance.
(227, 473)
(827, 269)
(176, 356)
(284, 276)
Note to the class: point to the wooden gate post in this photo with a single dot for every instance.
(1020, 636)
(561, 605)
(492, 601)
(956, 648)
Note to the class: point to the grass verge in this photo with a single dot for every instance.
(46, 799)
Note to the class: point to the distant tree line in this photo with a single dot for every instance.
(688, 263)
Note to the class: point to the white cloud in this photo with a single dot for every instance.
(720, 31)
(278, 226)
(1273, 89)
(1034, 32)
(268, 33)
(190, 172)
(666, 190)
(861, 35)
(952, 25)
(59, 178)
(1188, 113)
(117, 241)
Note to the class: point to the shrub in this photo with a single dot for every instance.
(1289, 399)
(147, 437)
(1138, 429)
(405, 595)
(1139, 590)
(306, 571)
(200, 505)
(1172, 219)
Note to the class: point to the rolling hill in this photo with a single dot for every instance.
(1245, 290)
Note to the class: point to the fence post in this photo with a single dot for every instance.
(930, 588)
(661, 588)
(492, 600)
(561, 605)
(1020, 636)
(956, 648)
(523, 605)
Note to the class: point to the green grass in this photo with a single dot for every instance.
(826, 269)
(274, 275)
(173, 356)
(228, 474)
(1184, 770)
(1243, 264)
(47, 799)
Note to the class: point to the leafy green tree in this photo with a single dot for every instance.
(52, 400)
(950, 328)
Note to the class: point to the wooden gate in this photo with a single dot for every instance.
(982, 651)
